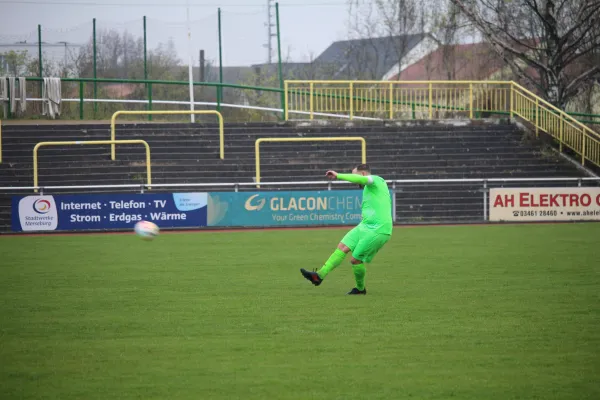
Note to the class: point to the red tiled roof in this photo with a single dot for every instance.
(476, 61)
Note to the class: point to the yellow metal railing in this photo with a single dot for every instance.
(440, 100)
(308, 139)
(547, 118)
(91, 142)
(167, 112)
(396, 99)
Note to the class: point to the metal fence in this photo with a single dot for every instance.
(98, 99)
(101, 48)
(143, 54)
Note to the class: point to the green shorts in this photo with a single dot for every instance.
(364, 243)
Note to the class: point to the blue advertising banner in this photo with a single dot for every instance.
(186, 210)
(294, 208)
(108, 211)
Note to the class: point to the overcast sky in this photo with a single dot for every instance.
(307, 26)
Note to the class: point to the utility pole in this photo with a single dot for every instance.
(270, 25)
(201, 71)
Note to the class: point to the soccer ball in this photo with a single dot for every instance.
(146, 230)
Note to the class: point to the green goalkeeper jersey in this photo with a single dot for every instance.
(376, 202)
(377, 206)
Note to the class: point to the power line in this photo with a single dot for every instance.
(125, 4)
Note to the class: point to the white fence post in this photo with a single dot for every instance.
(485, 200)
(394, 217)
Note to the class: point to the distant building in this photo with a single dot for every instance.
(371, 58)
(474, 61)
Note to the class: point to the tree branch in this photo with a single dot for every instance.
(581, 24)
(575, 83)
(492, 37)
(577, 56)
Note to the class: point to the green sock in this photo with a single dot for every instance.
(334, 260)
(359, 275)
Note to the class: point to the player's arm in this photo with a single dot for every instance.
(352, 178)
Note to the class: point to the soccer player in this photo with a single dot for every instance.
(366, 239)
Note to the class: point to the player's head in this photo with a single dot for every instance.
(362, 169)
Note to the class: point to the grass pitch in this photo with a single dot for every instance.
(472, 312)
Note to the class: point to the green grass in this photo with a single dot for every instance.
(473, 312)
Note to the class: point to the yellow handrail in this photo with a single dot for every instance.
(580, 138)
(561, 112)
(402, 82)
(307, 139)
(166, 112)
(91, 142)
(428, 98)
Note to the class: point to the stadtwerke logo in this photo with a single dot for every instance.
(254, 206)
(41, 206)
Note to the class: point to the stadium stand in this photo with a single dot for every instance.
(189, 153)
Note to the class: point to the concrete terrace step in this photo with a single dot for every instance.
(176, 147)
(444, 175)
(186, 147)
(243, 142)
(103, 179)
(120, 178)
(36, 136)
(505, 153)
(59, 167)
(440, 171)
(370, 141)
(243, 158)
(279, 175)
(12, 132)
(248, 139)
(265, 127)
(286, 168)
(16, 145)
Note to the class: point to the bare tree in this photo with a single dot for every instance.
(118, 56)
(364, 26)
(545, 42)
(448, 23)
(401, 18)
(311, 69)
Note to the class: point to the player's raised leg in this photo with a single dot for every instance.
(336, 258)
(348, 242)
